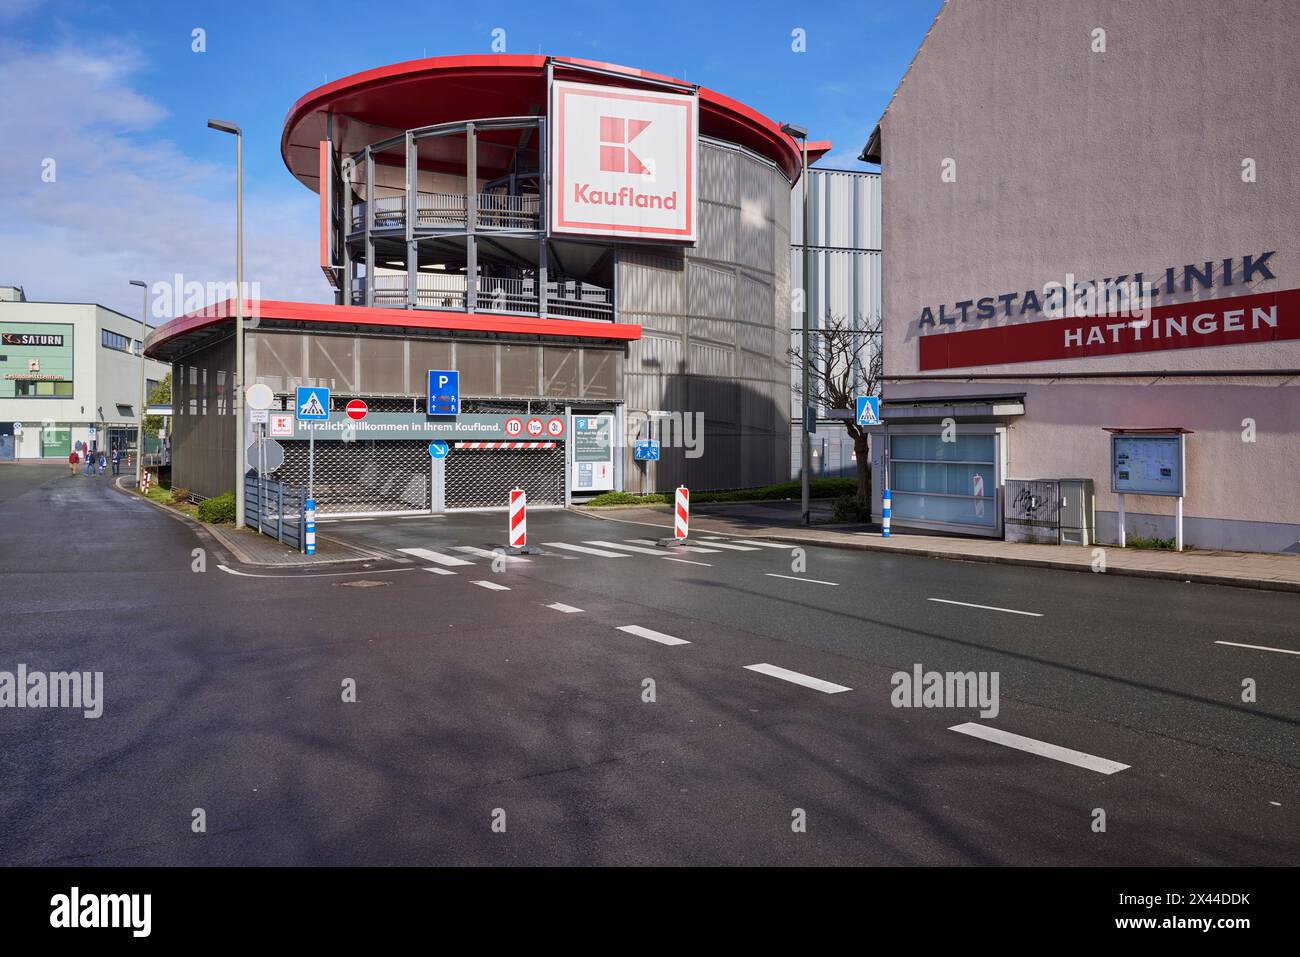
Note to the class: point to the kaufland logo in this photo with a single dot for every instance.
(616, 155)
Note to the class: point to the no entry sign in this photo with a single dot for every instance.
(356, 409)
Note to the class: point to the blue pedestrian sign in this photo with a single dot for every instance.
(646, 450)
(444, 392)
(313, 403)
(868, 412)
(438, 449)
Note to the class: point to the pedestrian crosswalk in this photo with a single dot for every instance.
(455, 556)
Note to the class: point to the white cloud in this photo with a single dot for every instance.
(126, 203)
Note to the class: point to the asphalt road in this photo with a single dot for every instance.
(479, 701)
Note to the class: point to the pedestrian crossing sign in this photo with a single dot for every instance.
(868, 411)
(313, 403)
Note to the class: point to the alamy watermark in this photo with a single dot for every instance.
(946, 689)
(82, 690)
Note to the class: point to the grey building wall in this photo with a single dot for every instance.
(203, 421)
(845, 240)
(714, 330)
(1069, 160)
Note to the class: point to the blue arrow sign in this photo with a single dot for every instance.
(312, 403)
(438, 449)
(868, 411)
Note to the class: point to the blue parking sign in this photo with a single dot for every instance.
(868, 411)
(312, 403)
(444, 392)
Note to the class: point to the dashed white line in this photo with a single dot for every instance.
(432, 556)
(439, 571)
(808, 681)
(639, 549)
(800, 578)
(490, 585)
(1280, 651)
(685, 561)
(487, 553)
(966, 604)
(561, 606)
(1057, 753)
(598, 552)
(713, 543)
(658, 636)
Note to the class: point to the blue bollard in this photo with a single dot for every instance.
(884, 513)
(309, 526)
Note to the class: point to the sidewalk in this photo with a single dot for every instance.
(778, 522)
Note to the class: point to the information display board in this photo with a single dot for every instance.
(1150, 464)
(593, 453)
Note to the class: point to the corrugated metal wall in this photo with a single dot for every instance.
(203, 421)
(714, 329)
(844, 226)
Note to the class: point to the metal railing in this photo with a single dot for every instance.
(495, 211)
(507, 295)
(275, 509)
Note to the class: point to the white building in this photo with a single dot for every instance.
(69, 372)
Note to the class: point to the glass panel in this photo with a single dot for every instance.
(939, 477)
(930, 508)
(519, 369)
(971, 447)
(56, 441)
(329, 362)
(426, 355)
(560, 368)
(383, 366)
(601, 373)
(477, 364)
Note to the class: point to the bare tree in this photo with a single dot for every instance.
(844, 362)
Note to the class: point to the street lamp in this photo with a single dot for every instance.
(805, 518)
(139, 428)
(237, 377)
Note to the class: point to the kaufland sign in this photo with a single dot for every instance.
(623, 162)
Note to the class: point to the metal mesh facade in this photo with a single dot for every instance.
(484, 477)
(362, 476)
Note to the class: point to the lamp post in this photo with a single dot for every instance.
(805, 514)
(139, 428)
(237, 377)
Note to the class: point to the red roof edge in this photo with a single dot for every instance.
(327, 314)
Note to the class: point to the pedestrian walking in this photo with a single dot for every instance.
(103, 463)
(72, 463)
(89, 456)
(117, 461)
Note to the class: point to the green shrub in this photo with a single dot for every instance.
(817, 488)
(852, 508)
(627, 498)
(1162, 544)
(218, 510)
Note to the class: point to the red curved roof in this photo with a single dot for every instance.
(372, 105)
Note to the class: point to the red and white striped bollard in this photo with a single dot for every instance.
(682, 510)
(518, 537)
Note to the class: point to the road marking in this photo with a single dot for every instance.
(800, 578)
(753, 541)
(487, 553)
(730, 547)
(1237, 644)
(438, 571)
(432, 556)
(680, 548)
(491, 585)
(685, 561)
(966, 604)
(639, 549)
(808, 681)
(599, 552)
(1057, 753)
(658, 636)
(374, 571)
(561, 606)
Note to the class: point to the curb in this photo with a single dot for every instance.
(1200, 578)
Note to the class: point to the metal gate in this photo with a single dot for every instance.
(275, 509)
(362, 476)
(483, 478)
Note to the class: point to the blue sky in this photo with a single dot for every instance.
(113, 93)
